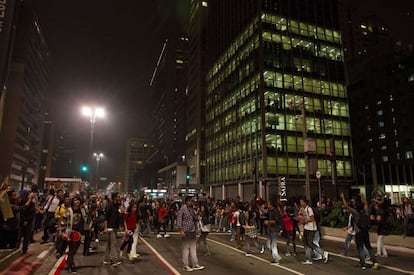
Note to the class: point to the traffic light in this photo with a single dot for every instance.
(187, 176)
(84, 168)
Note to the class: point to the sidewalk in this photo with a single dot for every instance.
(392, 242)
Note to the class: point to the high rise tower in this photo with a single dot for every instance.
(276, 103)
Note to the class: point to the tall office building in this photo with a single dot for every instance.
(24, 109)
(195, 135)
(138, 151)
(275, 83)
(169, 88)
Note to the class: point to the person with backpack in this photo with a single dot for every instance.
(249, 223)
(288, 229)
(361, 225)
(309, 231)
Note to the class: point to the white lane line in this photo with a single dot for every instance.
(161, 258)
(256, 257)
(43, 254)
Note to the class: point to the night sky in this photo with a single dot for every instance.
(104, 52)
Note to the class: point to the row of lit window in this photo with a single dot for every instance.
(233, 48)
(218, 138)
(317, 49)
(307, 84)
(301, 28)
(279, 166)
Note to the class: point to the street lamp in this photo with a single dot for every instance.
(98, 157)
(293, 106)
(92, 113)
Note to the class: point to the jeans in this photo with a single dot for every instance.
(380, 246)
(290, 237)
(308, 237)
(73, 247)
(272, 245)
(362, 239)
(249, 241)
(189, 249)
(135, 238)
(111, 253)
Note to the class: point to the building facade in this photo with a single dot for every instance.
(24, 106)
(195, 135)
(276, 80)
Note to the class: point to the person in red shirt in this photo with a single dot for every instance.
(161, 215)
(288, 231)
(130, 224)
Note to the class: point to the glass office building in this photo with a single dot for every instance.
(282, 68)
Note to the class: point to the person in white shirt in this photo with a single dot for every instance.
(310, 228)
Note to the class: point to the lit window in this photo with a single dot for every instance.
(381, 124)
(384, 158)
(395, 132)
(366, 107)
(397, 144)
(204, 4)
(394, 120)
(411, 78)
(409, 155)
(392, 110)
(380, 113)
(363, 27)
(379, 102)
(369, 128)
(382, 136)
(398, 156)
(384, 147)
(370, 140)
(371, 150)
(391, 98)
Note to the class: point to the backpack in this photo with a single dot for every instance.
(316, 215)
(242, 218)
(363, 222)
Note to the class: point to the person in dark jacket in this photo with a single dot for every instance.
(111, 225)
(27, 214)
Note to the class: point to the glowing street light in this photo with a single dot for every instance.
(98, 157)
(92, 113)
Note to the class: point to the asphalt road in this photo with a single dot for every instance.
(163, 256)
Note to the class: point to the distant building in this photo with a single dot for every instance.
(381, 101)
(169, 93)
(138, 151)
(263, 58)
(195, 108)
(22, 125)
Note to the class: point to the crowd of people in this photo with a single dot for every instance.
(66, 218)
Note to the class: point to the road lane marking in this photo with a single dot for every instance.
(161, 258)
(43, 254)
(256, 257)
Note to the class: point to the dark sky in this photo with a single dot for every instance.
(103, 53)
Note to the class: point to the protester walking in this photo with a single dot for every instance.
(187, 226)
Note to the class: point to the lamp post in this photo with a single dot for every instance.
(98, 157)
(92, 113)
(293, 106)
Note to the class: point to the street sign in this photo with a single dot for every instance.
(318, 174)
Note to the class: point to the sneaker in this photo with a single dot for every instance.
(107, 262)
(274, 262)
(167, 236)
(187, 268)
(198, 267)
(317, 258)
(130, 257)
(116, 263)
(96, 240)
(262, 249)
(159, 236)
(248, 254)
(363, 267)
(287, 254)
(207, 253)
(325, 257)
(375, 266)
(121, 253)
(232, 240)
(72, 269)
(307, 262)
(136, 256)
